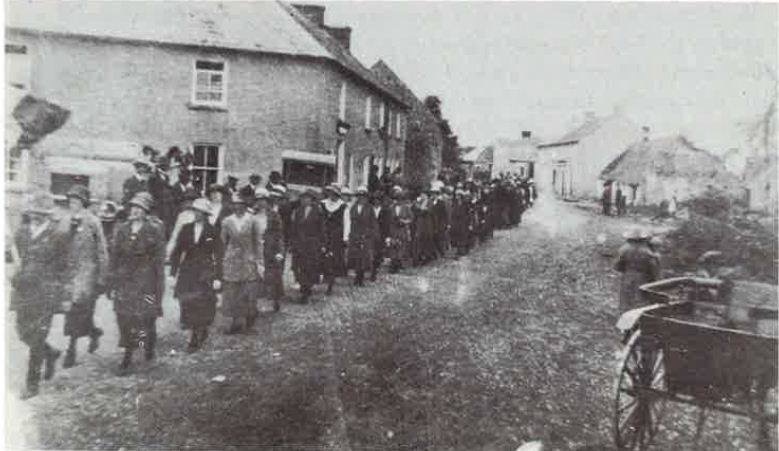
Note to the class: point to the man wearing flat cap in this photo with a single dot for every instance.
(87, 268)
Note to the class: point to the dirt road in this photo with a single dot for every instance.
(514, 342)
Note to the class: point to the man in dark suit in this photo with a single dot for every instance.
(380, 206)
(137, 183)
(307, 242)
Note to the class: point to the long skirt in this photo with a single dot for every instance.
(198, 308)
(240, 299)
(79, 321)
(137, 330)
(274, 281)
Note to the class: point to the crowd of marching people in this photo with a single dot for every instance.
(227, 241)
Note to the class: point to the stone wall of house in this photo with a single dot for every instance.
(142, 93)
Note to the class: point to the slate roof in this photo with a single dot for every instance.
(341, 54)
(256, 26)
(591, 125)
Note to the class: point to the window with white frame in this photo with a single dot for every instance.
(17, 66)
(368, 111)
(206, 163)
(342, 103)
(381, 114)
(16, 166)
(209, 85)
(397, 124)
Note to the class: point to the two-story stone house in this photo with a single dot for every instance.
(247, 86)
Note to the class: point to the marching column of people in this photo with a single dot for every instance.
(230, 243)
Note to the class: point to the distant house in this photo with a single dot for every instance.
(246, 86)
(516, 156)
(653, 170)
(571, 165)
(424, 141)
(475, 160)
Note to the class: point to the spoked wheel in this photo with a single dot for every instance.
(638, 413)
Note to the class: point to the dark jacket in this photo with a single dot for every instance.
(197, 264)
(274, 239)
(137, 269)
(41, 276)
(307, 241)
(362, 233)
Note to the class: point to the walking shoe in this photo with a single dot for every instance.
(70, 358)
(276, 305)
(94, 340)
(50, 363)
(125, 367)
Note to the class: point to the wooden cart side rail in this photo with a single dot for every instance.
(658, 316)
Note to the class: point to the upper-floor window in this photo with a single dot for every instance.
(381, 114)
(342, 103)
(397, 124)
(209, 83)
(368, 111)
(17, 66)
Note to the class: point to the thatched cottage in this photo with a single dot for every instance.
(652, 170)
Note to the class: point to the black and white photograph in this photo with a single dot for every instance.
(391, 225)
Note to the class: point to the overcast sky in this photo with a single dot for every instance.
(500, 68)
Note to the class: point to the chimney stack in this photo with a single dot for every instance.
(314, 13)
(526, 134)
(341, 34)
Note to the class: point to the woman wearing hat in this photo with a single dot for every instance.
(307, 242)
(336, 219)
(137, 278)
(462, 226)
(219, 209)
(242, 264)
(87, 270)
(638, 265)
(399, 237)
(362, 232)
(196, 260)
(37, 285)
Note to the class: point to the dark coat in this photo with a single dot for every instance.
(39, 281)
(362, 234)
(197, 264)
(400, 219)
(334, 239)
(137, 269)
(165, 206)
(461, 223)
(133, 186)
(638, 265)
(273, 240)
(307, 240)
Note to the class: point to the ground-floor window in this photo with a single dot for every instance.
(308, 173)
(16, 167)
(206, 164)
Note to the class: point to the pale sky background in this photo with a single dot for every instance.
(503, 67)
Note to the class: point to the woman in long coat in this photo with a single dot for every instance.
(197, 261)
(273, 250)
(399, 238)
(137, 278)
(362, 233)
(87, 268)
(307, 243)
(242, 265)
(461, 222)
(638, 265)
(335, 216)
(37, 285)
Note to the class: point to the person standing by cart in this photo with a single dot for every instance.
(37, 286)
(137, 278)
(87, 267)
(638, 265)
(196, 261)
(242, 265)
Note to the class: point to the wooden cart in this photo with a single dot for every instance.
(704, 342)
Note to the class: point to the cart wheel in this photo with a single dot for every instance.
(637, 414)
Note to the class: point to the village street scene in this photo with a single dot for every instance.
(390, 225)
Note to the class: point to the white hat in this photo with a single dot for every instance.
(261, 193)
(202, 205)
